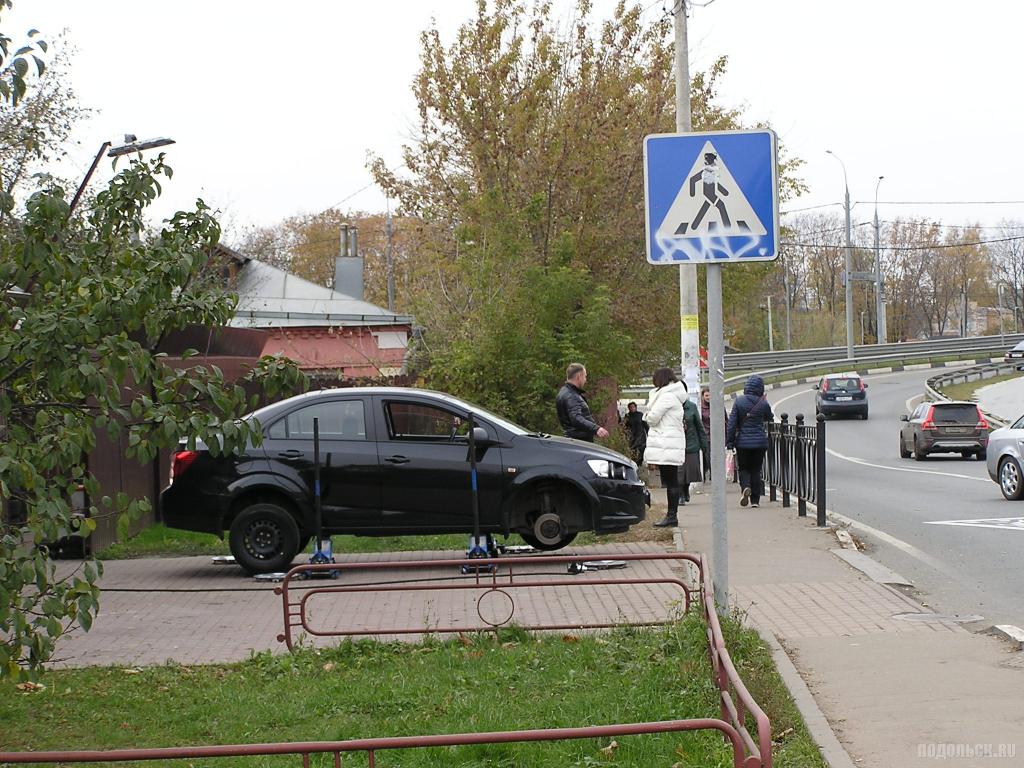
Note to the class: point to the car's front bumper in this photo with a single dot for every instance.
(620, 506)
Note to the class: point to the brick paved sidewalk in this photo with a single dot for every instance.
(192, 612)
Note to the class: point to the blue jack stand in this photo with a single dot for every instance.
(479, 548)
(324, 554)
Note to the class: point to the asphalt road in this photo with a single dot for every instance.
(958, 569)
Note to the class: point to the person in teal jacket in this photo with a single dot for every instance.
(696, 441)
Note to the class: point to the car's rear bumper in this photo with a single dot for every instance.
(829, 407)
(184, 508)
(954, 444)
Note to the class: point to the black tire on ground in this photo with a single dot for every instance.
(918, 453)
(965, 454)
(864, 415)
(264, 538)
(1011, 479)
(981, 455)
(904, 453)
(536, 543)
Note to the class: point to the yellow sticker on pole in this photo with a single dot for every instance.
(689, 322)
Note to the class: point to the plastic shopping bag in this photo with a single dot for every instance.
(730, 464)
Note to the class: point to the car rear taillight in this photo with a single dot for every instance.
(928, 423)
(181, 461)
(860, 383)
(982, 421)
(824, 386)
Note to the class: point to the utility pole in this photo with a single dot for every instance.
(690, 339)
(849, 261)
(785, 287)
(881, 335)
(999, 293)
(771, 333)
(389, 262)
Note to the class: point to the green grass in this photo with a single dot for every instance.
(370, 689)
(967, 389)
(160, 541)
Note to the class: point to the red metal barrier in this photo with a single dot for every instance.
(737, 706)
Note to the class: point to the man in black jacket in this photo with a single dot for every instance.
(573, 412)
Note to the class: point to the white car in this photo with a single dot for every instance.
(1004, 460)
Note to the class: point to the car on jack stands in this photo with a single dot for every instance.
(394, 461)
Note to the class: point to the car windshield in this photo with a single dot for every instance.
(958, 413)
(845, 385)
(1018, 348)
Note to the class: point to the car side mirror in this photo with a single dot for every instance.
(904, 417)
(865, 386)
(480, 436)
(816, 386)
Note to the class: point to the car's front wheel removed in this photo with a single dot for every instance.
(548, 533)
(264, 538)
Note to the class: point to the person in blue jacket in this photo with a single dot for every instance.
(746, 433)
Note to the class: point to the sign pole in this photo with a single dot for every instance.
(716, 369)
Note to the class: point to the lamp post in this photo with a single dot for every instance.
(999, 293)
(881, 336)
(849, 260)
(132, 144)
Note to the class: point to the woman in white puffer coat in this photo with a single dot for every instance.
(666, 437)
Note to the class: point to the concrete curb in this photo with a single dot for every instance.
(831, 750)
(1010, 632)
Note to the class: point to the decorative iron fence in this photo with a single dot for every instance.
(795, 463)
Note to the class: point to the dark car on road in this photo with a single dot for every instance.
(395, 461)
(944, 427)
(841, 394)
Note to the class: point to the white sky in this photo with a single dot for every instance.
(275, 105)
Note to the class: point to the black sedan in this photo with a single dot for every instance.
(396, 461)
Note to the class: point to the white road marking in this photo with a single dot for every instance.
(862, 462)
(1003, 523)
(901, 545)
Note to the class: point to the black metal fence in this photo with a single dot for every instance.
(795, 463)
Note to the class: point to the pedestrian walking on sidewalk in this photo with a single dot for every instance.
(666, 437)
(572, 407)
(746, 433)
(696, 441)
(705, 419)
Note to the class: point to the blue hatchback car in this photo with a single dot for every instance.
(841, 394)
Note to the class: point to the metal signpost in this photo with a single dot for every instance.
(712, 198)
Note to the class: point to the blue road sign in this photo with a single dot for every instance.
(711, 197)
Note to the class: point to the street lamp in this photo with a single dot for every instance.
(881, 335)
(849, 261)
(132, 144)
(771, 332)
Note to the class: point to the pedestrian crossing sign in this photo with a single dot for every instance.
(711, 197)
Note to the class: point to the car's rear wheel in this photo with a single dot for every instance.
(904, 453)
(1011, 481)
(918, 453)
(264, 538)
(864, 414)
(981, 455)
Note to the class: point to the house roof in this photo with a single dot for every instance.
(269, 297)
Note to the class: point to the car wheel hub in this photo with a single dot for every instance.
(262, 539)
(548, 528)
(1010, 478)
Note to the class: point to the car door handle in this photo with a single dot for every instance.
(396, 460)
(290, 454)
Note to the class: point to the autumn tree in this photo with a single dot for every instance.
(87, 295)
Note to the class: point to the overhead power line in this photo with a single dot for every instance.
(935, 247)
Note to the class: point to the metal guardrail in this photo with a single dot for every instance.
(795, 463)
(751, 361)
(933, 387)
(738, 709)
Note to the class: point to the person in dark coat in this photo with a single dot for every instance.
(637, 428)
(746, 433)
(696, 441)
(705, 419)
(572, 407)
